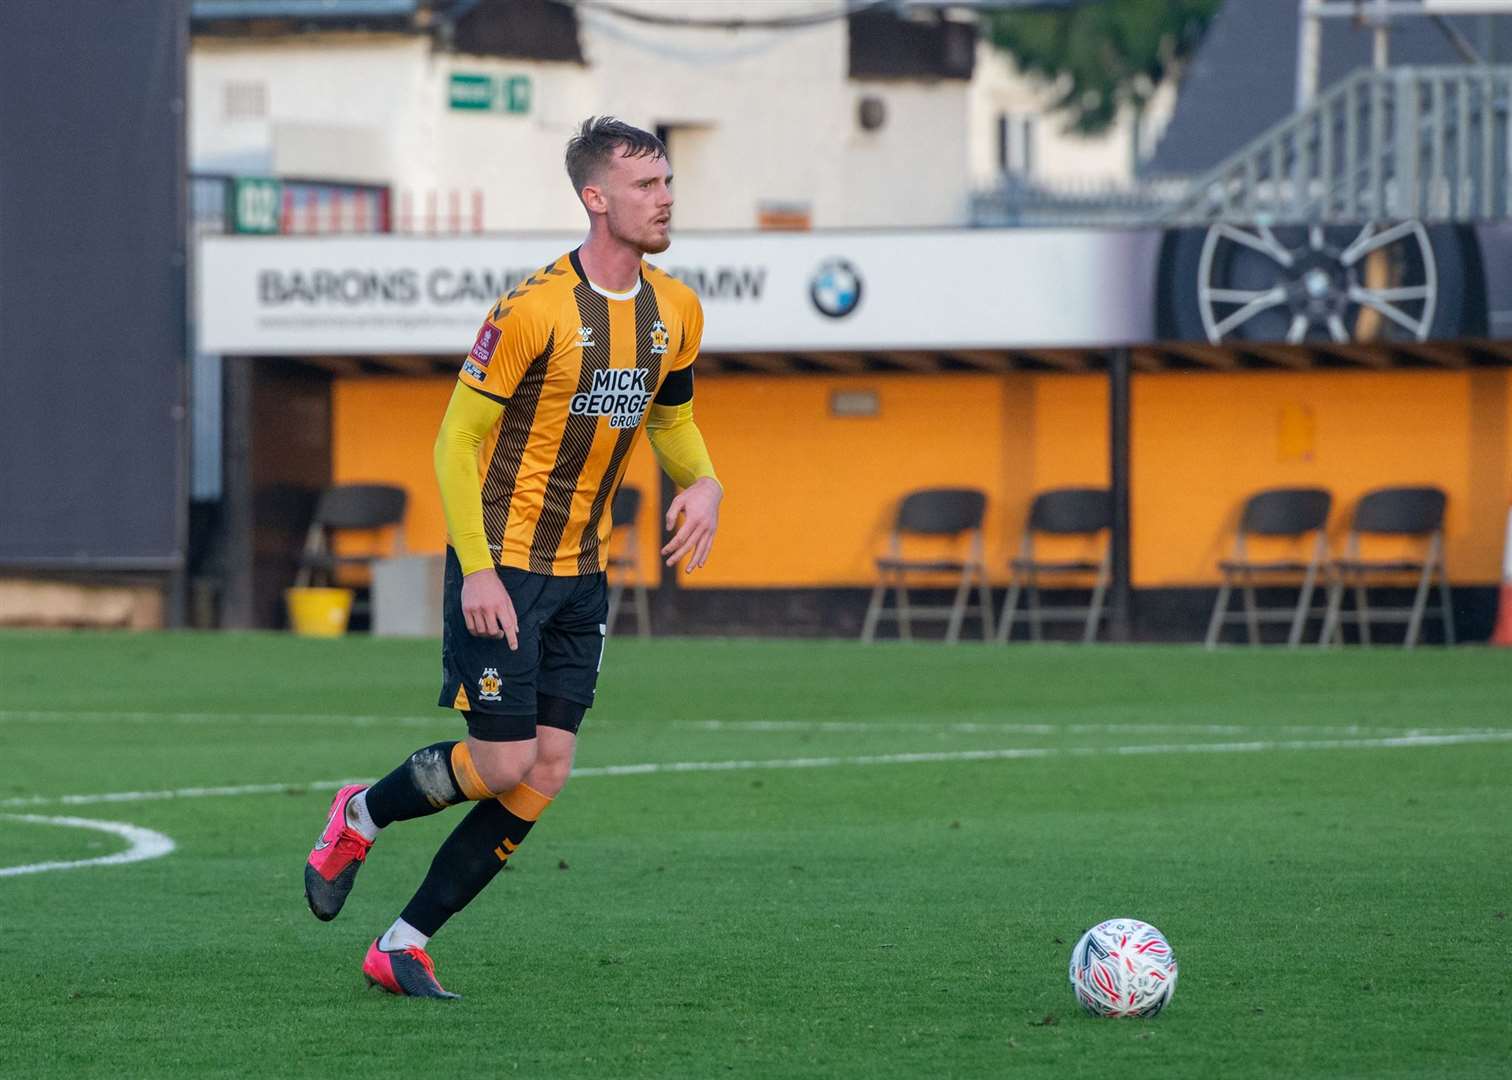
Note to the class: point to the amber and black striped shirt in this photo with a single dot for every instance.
(576, 370)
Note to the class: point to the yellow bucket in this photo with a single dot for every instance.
(319, 612)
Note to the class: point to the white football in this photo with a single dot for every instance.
(1123, 967)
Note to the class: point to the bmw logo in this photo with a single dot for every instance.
(836, 288)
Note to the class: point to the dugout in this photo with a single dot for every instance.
(821, 417)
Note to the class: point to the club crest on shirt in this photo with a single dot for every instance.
(486, 344)
(489, 685)
(659, 338)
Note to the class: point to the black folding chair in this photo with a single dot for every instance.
(1279, 514)
(940, 513)
(1413, 514)
(624, 561)
(1060, 512)
(355, 507)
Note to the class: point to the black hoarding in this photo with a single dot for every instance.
(92, 336)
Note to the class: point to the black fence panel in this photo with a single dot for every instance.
(92, 325)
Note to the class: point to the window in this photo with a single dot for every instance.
(1015, 144)
(246, 100)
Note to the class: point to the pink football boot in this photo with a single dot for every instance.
(335, 859)
(407, 972)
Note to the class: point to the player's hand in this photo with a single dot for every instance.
(699, 509)
(487, 607)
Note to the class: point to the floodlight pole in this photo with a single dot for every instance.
(1121, 609)
(1377, 16)
(1309, 42)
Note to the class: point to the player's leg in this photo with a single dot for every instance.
(431, 779)
(501, 747)
(471, 857)
(428, 781)
(481, 844)
(556, 744)
(467, 860)
(447, 773)
(494, 687)
(571, 639)
(572, 651)
(571, 645)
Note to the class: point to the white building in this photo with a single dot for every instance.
(830, 122)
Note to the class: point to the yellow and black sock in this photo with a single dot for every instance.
(469, 858)
(429, 780)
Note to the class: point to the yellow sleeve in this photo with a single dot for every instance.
(678, 444)
(469, 419)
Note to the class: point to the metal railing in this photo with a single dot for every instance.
(1423, 143)
(1023, 204)
(224, 203)
(1427, 143)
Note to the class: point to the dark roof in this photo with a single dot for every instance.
(1243, 77)
(886, 46)
(525, 29)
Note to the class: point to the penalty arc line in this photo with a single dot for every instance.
(143, 844)
(926, 757)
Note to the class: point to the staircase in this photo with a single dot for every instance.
(1424, 143)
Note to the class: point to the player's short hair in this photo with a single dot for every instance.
(598, 140)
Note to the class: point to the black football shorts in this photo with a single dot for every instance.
(562, 626)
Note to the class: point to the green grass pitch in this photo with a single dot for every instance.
(871, 863)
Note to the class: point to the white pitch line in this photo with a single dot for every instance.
(830, 727)
(144, 844)
(1391, 742)
(175, 793)
(51, 716)
(973, 727)
(924, 757)
(1017, 753)
(836, 726)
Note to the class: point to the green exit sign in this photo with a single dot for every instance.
(253, 204)
(489, 93)
(516, 93)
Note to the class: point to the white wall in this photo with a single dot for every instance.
(1061, 157)
(374, 108)
(780, 124)
(759, 117)
(358, 90)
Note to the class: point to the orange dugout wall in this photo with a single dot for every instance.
(811, 493)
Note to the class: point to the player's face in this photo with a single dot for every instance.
(638, 194)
